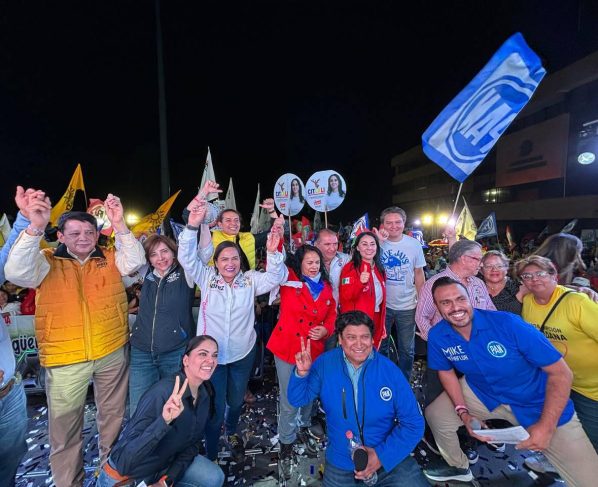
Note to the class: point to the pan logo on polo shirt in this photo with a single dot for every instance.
(496, 349)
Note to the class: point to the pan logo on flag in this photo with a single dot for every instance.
(482, 120)
(465, 131)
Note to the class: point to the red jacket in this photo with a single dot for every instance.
(354, 295)
(298, 314)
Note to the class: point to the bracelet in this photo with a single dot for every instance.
(37, 231)
(192, 228)
(460, 406)
(462, 412)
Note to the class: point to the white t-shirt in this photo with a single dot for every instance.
(400, 259)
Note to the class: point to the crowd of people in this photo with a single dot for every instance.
(516, 341)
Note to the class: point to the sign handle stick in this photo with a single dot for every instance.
(456, 201)
(326, 218)
(290, 231)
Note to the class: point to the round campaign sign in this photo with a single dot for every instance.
(289, 194)
(325, 190)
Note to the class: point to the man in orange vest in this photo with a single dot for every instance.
(81, 324)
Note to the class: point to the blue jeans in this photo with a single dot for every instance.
(201, 473)
(147, 368)
(404, 324)
(406, 473)
(230, 383)
(13, 428)
(587, 412)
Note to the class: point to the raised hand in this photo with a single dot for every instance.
(38, 211)
(278, 224)
(273, 241)
(208, 187)
(174, 406)
(364, 277)
(22, 198)
(382, 234)
(197, 211)
(303, 358)
(268, 205)
(115, 213)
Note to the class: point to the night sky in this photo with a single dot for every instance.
(271, 87)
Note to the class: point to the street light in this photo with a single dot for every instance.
(132, 218)
(427, 219)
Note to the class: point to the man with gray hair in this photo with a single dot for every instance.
(465, 257)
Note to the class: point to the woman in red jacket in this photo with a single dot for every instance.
(363, 283)
(308, 313)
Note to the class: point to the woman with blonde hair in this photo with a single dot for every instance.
(569, 320)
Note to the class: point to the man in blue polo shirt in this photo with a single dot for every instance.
(511, 372)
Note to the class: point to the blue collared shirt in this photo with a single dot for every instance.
(355, 373)
(502, 362)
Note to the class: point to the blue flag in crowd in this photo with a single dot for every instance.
(419, 236)
(466, 130)
(488, 227)
(177, 228)
(361, 225)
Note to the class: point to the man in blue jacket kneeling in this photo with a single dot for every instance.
(363, 392)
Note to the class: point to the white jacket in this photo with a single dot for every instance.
(227, 313)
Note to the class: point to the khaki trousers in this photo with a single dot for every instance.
(570, 450)
(66, 389)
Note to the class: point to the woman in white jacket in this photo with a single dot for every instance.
(227, 313)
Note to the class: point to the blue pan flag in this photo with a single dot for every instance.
(488, 227)
(466, 130)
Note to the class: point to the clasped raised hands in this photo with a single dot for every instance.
(174, 406)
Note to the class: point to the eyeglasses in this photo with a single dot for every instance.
(528, 276)
(477, 259)
(494, 267)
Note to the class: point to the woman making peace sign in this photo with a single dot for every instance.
(227, 313)
(160, 443)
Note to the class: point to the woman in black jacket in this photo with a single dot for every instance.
(164, 322)
(160, 444)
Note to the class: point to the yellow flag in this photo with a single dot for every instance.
(150, 223)
(465, 226)
(68, 198)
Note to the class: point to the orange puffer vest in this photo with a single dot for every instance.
(81, 310)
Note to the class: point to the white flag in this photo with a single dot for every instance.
(229, 200)
(4, 230)
(255, 216)
(569, 226)
(208, 174)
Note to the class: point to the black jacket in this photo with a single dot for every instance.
(164, 320)
(148, 448)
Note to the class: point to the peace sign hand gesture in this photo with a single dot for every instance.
(174, 406)
(303, 358)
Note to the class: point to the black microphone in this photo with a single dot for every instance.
(360, 459)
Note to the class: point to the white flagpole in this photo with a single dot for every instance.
(456, 201)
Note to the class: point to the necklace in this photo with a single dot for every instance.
(496, 287)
